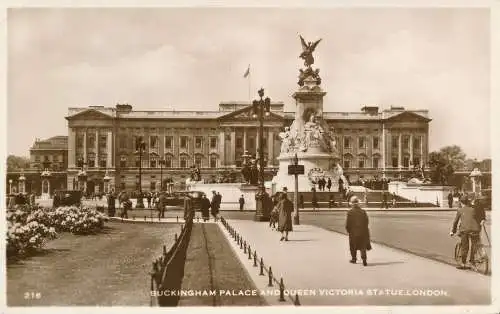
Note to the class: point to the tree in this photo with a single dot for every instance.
(445, 162)
(17, 163)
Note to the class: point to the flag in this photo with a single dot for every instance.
(247, 72)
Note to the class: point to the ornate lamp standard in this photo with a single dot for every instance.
(10, 186)
(140, 146)
(162, 163)
(261, 107)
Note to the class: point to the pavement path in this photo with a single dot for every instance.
(315, 261)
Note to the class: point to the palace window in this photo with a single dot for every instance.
(197, 161)
(91, 162)
(103, 141)
(184, 140)
(91, 140)
(213, 161)
(375, 162)
(213, 142)
(375, 143)
(406, 142)
(37, 158)
(406, 161)
(122, 141)
(168, 142)
(79, 141)
(152, 186)
(123, 162)
(347, 163)
(347, 142)
(361, 142)
(416, 142)
(153, 162)
(361, 162)
(395, 141)
(416, 161)
(395, 162)
(183, 161)
(198, 142)
(168, 161)
(153, 142)
(102, 161)
(239, 142)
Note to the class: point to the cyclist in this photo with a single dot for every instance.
(468, 230)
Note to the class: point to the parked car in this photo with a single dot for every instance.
(69, 197)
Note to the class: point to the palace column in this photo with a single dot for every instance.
(400, 150)
(109, 150)
(270, 147)
(244, 139)
(233, 146)
(222, 149)
(97, 148)
(85, 145)
(411, 149)
(71, 148)
(421, 151)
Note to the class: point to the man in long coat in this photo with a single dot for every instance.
(285, 209)
(205, 208)
(357, 228)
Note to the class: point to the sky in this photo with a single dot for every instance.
(194, 58)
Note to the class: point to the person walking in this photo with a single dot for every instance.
(466, 220)
(450, 200)
(301, 201)
(314, 199)
(111, 204)
(285, 209)
(205, 208)
(242, 202)
(162, 203)
(214, 205)
(329, 184)
(359, 234)
(384, 201)
(148, 198)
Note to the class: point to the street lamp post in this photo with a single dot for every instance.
(261, 107)
(296, 220)
(10, 186)
(140, 146)
(162, 163)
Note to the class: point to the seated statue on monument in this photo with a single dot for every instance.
(313, 134)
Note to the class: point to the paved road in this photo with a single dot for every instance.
(314, 264)
(423, 233)
(107, 269)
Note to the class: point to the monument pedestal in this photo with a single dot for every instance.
(249, 192)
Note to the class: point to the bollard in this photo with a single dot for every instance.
(254, 259)
(182, 228)
(296, 302)
(241, 243)
(175, 238)
(249, 253)
(245, 247)
(282, 290)
(261, 267)
(270, 273)
(164, 250)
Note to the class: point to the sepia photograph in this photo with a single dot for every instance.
(269, 157)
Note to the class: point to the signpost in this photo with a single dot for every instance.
(296, 169)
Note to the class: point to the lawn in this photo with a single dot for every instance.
(107, 269)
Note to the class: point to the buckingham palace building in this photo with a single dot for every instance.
(103, 151)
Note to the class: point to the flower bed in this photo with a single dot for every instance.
(29, 227)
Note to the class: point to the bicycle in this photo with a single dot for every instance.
(481, 259)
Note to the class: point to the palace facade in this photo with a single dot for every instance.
(102, 150)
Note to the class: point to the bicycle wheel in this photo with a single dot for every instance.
(482, 260)
(457, 254)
